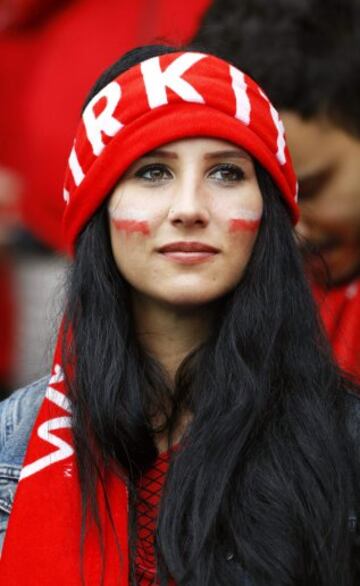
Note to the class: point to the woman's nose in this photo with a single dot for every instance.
(189, 206)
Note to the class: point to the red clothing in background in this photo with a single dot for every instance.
(340, 311)
(6, 324)
(50, 55)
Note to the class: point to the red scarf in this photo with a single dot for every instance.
(42, 542)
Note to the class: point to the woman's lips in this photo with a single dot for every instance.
(188, 252)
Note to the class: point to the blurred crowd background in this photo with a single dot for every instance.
(306, 55)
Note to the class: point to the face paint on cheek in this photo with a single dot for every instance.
(130, 223)
(130, 226)
(245, 220)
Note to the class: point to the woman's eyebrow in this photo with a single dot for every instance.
(161, 153)
(234, 154)
(228, 154)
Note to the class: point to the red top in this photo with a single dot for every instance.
(340, 311)
(149, 491)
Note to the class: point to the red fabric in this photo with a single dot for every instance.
(42, 543)
(19, 13)
(149, 493)
(45, 74)
(164, 99)
(340, 311)
(7, 323)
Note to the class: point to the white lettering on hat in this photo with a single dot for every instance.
(75, 167)
(243, 106)
(280, 155)
(156, 81)
(104, 122)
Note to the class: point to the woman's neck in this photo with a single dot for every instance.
(170, 333)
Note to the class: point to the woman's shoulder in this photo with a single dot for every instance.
(17, 416)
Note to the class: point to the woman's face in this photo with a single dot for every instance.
(184, 220)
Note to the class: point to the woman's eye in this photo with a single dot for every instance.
(227, 173)
(154, 173)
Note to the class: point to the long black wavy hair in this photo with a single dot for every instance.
(264, 478)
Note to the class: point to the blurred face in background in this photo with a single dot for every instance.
(327, 162)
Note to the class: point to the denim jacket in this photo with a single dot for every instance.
(17, 417)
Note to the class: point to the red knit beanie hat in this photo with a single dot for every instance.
(164, 99)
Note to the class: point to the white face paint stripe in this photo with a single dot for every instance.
(136, 215)
(244, 214)
(156, 81)
(140, 216)
(75, 168)
(243, 105)
(104, 122)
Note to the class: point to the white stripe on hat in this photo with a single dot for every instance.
(243, 106)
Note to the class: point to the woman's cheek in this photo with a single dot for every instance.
(243, 220)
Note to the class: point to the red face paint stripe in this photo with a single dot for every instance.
(132, 226)
(238, 224)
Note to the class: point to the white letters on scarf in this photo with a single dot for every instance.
(105, 121)
(64, 449)
(156, 81)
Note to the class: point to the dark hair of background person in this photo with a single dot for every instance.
(265, 473)
(304, 53)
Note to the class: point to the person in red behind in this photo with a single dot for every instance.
(305, 55)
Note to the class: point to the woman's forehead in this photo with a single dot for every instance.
(207, 146)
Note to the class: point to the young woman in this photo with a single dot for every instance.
(194, 430)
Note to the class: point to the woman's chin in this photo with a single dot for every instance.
(190, 299)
